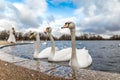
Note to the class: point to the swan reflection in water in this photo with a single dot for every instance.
(38, 65)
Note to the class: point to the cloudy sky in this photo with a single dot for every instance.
(90, 16)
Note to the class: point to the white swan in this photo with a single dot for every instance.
(44, 53)
(56, 56)
(44, 43)
(80, 57)
(12, 36)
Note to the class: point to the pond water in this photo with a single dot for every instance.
(105, 54)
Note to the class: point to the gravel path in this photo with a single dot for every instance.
(8, 71)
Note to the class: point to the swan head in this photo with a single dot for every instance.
(33, 34)
(48, 30)
(69, 25)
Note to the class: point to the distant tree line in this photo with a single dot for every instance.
(115, 37)
(82, 37)
(25, 36)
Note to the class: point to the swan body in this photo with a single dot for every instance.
(83, 57)
(11, 36)
(80, 58)
(60, 55)
(44, 53)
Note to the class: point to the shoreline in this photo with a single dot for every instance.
(10, 71)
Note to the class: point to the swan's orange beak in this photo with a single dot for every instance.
(65, 26)
(31, 36)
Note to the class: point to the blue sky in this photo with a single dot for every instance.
(15, 0)
(64, 8)
(93, 17)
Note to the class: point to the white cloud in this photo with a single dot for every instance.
(7, 24)
(37, 6)
(98, 16)
(23, 15)
(79, 11)
(26, 16)
(91, 10)
(2, 5)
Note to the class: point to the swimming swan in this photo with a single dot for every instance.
(80, 57)
(44, 53)
(56, 56)
(118, 45)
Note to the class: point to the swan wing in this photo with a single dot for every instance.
(63, 55)
(46, 52)
(83, 57)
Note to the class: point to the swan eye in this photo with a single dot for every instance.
(66, 25)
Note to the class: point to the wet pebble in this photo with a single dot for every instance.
(32, 74)
(6, 64)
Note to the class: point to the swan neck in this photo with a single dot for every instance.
(53, 43)
(74, 61)
(73, 42)
(37, 43)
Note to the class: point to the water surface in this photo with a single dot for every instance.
(105, 54)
